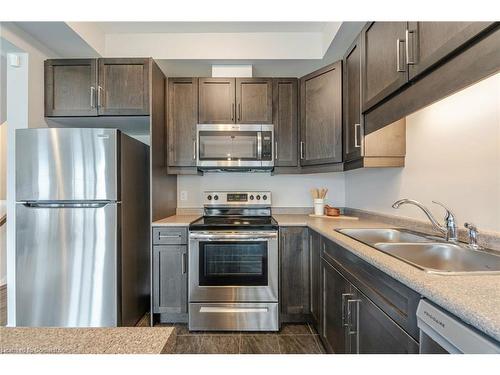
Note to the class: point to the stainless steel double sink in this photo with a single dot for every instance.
(428, 253)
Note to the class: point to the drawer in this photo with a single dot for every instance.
(169, 236)
(394, 298)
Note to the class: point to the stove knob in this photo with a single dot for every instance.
(216, 197)
(209, 197)
(251, 197)
(258, 197)
(264, 197)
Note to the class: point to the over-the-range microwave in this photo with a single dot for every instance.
(235, 147)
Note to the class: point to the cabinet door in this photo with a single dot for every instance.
(294, 259)
(285, 120)
(170, 279)
(254, 100)
(353, 119)
(216, 101)
(314, 277)
(70, 87)
(182, 119)
(373, 332)
(321, 116)
(430, 42)
(383, 59)
(123, 87)
(335, 293)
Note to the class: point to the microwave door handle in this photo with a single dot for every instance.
(259, 145)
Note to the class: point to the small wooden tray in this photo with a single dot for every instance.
(341, 217)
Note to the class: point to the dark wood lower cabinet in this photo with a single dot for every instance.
(371, 331)
(334, 290)
(314, 278)
(170, 282)
(294, 264)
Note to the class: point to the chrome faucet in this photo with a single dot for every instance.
(449, 229)
(472, 236)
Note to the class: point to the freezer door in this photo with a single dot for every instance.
(66, 265)
(67, 164)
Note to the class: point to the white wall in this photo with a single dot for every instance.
(287, 190)
(453, 156)
(37, 54)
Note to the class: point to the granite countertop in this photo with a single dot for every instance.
(474, 299)
(121, 340)
(175, 221)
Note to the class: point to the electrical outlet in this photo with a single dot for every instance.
(184, 195)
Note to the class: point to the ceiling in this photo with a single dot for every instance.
(211, 27)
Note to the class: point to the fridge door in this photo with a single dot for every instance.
(66, 265)
(67, 164)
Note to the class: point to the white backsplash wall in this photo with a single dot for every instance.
(287, 190)
(452, 156)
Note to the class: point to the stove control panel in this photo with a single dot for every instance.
(237, 198)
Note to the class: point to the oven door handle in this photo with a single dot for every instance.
(223, 237)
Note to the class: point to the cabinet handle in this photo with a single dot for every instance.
(356, 140)
(92, 97)
(408, 60)
(276, 150)
(183, 264)
(301, 150)
(398, 60)
(239, 111)
(344, 305)
(194, 150)
(169, 236)
(350, 331)
(232, 112)
(99, 100)
(311, 306)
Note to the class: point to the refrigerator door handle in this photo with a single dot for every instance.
(67, 204)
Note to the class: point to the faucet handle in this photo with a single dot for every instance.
(449, 214)
(472, 235)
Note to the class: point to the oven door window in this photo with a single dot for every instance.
(233, 263)
(228, 145)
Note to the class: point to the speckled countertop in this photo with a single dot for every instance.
(122, 340)
(175, 221)
(474, 299)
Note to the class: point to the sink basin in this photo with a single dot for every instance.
(444, 258)
(376, 235)
(426, 252)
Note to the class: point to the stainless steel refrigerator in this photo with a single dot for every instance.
(82, 228)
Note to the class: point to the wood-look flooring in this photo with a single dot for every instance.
(292, 339)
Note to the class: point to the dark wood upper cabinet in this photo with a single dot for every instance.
(71, 87)
(353, 119)
(430, 42)
(216, 101)
(123, 87)
(321, 116)
(285, 120)
(254, 100)
(294, 262)
(384, 68)
(182, 109)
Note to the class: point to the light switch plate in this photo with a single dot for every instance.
(184, 195)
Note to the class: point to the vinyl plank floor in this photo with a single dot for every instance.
(3, 305)
(292, 339)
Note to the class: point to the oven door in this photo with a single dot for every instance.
(233, 266)
(233, 146)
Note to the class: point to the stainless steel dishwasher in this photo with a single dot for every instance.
(441, 333)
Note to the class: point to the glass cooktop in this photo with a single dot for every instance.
(234, 223)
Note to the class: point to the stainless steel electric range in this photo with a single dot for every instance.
(233, 263)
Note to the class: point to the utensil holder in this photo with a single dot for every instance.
(319, 206)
